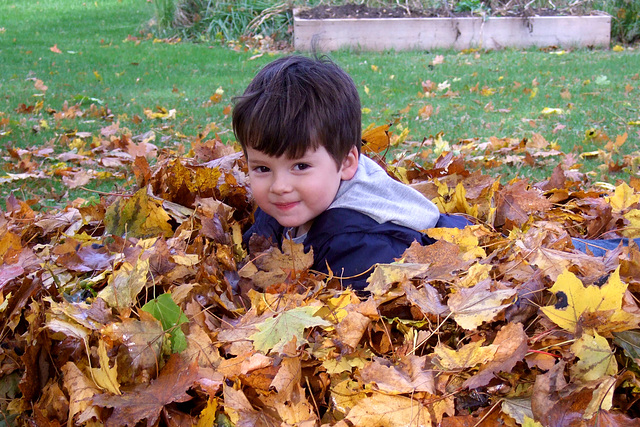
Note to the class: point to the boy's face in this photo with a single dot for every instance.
(295, 191)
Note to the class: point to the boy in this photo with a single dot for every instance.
(299, 125)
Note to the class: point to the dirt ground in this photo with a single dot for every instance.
(363, 11)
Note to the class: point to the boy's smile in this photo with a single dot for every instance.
(295, 191)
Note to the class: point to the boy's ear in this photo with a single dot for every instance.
(349, 164)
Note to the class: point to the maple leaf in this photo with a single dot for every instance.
(125, 284)
(471, 307)
(275, 332)
(137, 216)
(467, 356)
(426, 298)
(392, 379)
(575, 302)
(596, 358)
(147, 401)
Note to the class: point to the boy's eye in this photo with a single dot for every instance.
(261, 169)
(301, 166)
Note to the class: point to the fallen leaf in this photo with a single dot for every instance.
(275, 332)
(470, 307)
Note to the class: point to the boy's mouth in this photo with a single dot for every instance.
(285, 206)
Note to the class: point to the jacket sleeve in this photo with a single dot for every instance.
(352, 256)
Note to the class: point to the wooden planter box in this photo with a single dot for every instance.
(451, 33)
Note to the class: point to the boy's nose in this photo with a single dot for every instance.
(281, 184)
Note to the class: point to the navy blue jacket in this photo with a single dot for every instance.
(350, 242)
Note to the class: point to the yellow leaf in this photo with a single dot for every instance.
(632, 231)
(476, 274)
(465, 238)
(383, 410)
(467, 356)
(574, 299)
(547, 111)
(385, 275)
(623, 197)
(208, 414)
(104, 376)
(125, 284)
(618, 48)
(596, 358)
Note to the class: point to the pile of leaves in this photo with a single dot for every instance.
(146, 309)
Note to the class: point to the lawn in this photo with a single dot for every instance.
(68, 70)
(119, 307)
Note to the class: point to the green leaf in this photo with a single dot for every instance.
(275, 332)
(171, 317)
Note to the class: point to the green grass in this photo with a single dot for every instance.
(99, 66)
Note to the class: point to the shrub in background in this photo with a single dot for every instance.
(227, 20)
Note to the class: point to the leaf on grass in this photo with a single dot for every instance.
(137, 216)
(467, 356)
(473, 306)
(574, 301)
(125, 284)
(596, 358)
(275, 332)
(146, 401)
(171, 316)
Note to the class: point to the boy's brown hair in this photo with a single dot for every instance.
(297, 103)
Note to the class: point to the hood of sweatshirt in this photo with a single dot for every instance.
(374, 193)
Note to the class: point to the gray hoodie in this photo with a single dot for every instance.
(372, 192)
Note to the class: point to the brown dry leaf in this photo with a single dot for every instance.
(381, 410)
(81, 392)
(512, 344)
(242, 414)
(146, 401)
(352, 327)
(516, 202)
(471, 307)
(392, 379)
(426, 298)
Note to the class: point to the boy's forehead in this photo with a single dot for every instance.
(253, 154)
